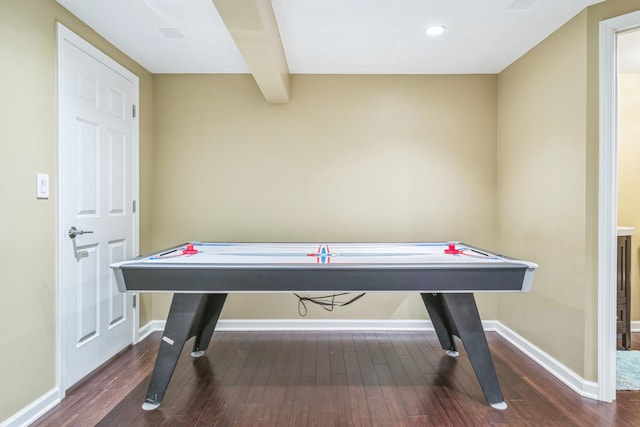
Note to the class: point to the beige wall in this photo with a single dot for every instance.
(548, 136)
(27, 226)
(541, 189)
(350, 158)
(629, 173)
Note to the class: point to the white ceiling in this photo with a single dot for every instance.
(334, 36)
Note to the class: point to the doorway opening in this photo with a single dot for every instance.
(608, 201)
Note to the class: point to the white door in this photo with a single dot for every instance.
(97, 179)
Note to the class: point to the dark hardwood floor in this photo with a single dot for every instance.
(332, 379)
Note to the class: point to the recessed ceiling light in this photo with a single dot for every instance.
(435, 30)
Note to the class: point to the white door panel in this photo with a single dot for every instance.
(97, 186)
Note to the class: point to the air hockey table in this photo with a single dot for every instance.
(201, 274)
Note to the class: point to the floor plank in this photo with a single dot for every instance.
(332, 378)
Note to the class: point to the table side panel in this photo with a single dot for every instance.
(229, 280)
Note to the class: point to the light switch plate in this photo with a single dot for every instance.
(42, 186)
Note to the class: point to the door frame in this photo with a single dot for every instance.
(608, 201)
(64, 35)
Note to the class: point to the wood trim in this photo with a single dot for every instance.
(608, 203)
(578, 384)
(607, 214)
(34, 410)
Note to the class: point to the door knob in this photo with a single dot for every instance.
(73, 232)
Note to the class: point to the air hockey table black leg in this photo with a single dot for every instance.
(442, 323)
(206, 322)
(177, 330)
(457, 314)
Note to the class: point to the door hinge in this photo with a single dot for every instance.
(134, 206)
(135, 301)
(134, 110)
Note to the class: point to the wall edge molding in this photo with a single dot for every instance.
(34, 410)
(574, 381)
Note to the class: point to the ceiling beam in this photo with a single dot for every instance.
(254, 29)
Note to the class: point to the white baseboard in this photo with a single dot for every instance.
(35, 410)
(234, 325)
(578, 384)
(635, 326)
(149, 328)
